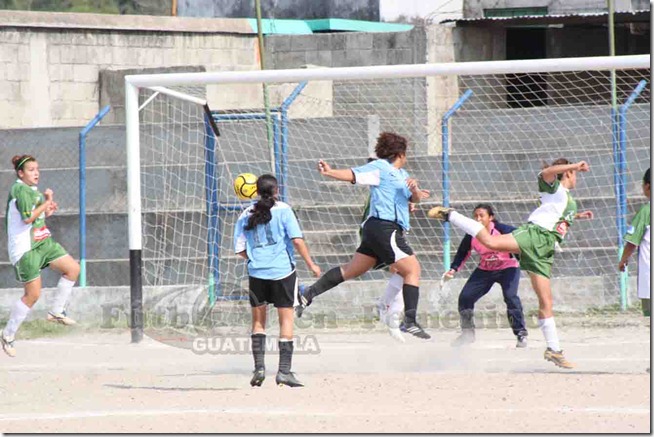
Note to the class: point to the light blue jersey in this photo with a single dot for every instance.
(389, 194)
(269, 247)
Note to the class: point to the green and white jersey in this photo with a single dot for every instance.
(22, 237)
(638, 235)
(557, 208)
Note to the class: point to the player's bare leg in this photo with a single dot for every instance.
(542, 287)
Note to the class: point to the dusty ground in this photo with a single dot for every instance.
(359, 382)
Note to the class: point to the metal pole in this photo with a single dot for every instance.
(286, 104)
(266, 102)
(82, 192)
(445, 134)
(614, 99)
(134, 219)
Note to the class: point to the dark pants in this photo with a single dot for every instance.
(480, 283)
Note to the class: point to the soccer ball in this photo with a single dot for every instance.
(245, 186)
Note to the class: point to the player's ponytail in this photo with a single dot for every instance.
(19, 161)
(267, 189)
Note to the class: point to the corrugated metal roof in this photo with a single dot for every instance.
(550, 17)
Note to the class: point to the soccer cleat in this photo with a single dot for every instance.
(303, 301)
(467, 336)
(440, 213)
(257, 377)
(8, 345)
(61, 318)
(414, 329)
(522, 340)
(558, 358)
(288, 379)
(396, 334)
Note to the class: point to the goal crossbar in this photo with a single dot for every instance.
(393, 71)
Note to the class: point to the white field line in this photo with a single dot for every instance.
(283, 412)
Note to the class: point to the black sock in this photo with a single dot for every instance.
(326, 282)
(259, 350)
(285, 356)
(410, 293)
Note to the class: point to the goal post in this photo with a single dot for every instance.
(515, 115)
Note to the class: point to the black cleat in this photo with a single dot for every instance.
(414, 329)
(288, 379)
(257, 377)
(303, 301)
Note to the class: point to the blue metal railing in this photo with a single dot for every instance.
(82, 191)
(445, 137)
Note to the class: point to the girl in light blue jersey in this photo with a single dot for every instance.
(265, 235)
(382, 239)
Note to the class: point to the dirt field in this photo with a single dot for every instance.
(357, 383)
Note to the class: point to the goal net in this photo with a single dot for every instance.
(478, 133)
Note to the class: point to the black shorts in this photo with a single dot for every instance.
(384, 240)
(282, 293)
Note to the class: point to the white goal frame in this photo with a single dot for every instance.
(156, 81)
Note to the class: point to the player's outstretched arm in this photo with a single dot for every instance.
(346, 175)
(549, 174)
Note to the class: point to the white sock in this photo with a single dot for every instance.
(466, 224)
(549, 332)
(60, 299)
(393, 300)
(18, 313)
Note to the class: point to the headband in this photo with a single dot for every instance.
(23, 161)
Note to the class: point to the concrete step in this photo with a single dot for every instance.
(328, 230)
(572, 262)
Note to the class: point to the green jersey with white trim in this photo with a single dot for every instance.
(23, 237)
(557, 208)
(638, 235)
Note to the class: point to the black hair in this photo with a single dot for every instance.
(266, 188)
(647, 178)
(488, 207)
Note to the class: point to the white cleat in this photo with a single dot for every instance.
(8, 345)
(392, 322)
(396, 334)
(61, 319)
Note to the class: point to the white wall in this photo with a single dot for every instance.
(437, 10)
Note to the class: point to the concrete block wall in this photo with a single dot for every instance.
(332, 240)
(51, 78)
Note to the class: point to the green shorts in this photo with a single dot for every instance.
(536, 249)
(29, 266)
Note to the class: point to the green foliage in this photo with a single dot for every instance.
(89, 6)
